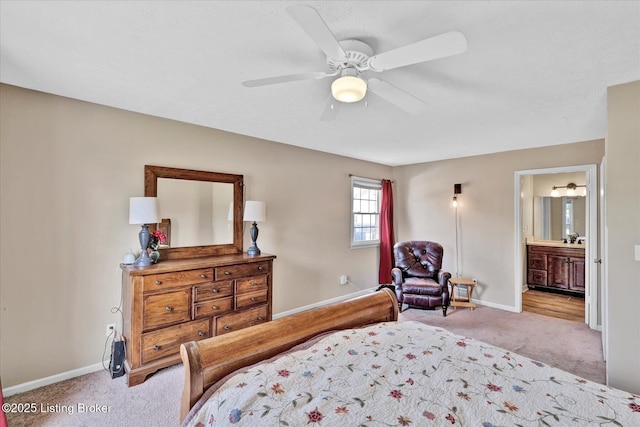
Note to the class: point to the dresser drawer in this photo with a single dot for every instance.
(243, 319)
(166, 309)
(213, 307)
(212, 290)
(251, 299)
(251, 284)
(156, 282)
(166, 342)
(242, 270)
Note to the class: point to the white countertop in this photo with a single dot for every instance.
(555, 243)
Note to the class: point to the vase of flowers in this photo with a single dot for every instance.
(157, 238)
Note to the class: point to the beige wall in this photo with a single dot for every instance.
(623, 227)
(486, 212)
(68, 169)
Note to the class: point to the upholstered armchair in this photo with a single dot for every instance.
(418, 277)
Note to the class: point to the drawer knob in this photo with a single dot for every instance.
(226, 328)
(259, 267)
(203, 276)
(260, 318)
(200, 333)
(215, 307)
(156, 347)
(215, 290)
(227, 273)
(254, 283)
(168, 308)
(253, 298)
(158, 282)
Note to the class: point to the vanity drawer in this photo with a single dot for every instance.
(244, 319)
(251, 299)
(241, 270)
(166, 342)
(251, 284)
(156, 282)
(213, 307)
(538, 261)
(166, 309)
(212, 291)
(537, 277)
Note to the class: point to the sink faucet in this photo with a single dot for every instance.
(572, 237)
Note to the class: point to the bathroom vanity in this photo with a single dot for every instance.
(556, 265)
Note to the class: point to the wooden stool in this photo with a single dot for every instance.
(461, 302)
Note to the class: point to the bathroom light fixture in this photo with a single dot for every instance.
(457, 189)
(571, 190)
(349, 87)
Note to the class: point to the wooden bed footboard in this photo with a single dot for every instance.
(209, 360)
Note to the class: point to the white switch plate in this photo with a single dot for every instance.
(637, 252)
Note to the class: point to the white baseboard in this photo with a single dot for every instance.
(494, 305)
(31, 385)
(325, 302)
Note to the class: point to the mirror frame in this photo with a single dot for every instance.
(151, 175)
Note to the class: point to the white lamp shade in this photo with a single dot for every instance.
(254, 211)
(348, 89)
(143, 210)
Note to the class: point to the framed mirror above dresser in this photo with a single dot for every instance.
(203, 284)
(200, 205)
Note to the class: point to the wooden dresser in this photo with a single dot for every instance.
(177, 301)
(559, 268)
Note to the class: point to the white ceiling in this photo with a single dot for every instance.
(535, 72)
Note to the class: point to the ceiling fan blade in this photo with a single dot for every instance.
(396, 96)
(447, 44)
(331, 109)
(287, 78)
(313, 24)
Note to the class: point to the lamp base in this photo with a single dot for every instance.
(253, 250)
(253, 232)
(143, 260)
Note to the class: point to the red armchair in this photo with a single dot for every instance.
(418, 277)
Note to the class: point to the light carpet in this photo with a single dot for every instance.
(568, 345)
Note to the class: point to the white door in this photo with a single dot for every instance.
(602, 261)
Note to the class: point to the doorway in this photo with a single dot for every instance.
(524, 203)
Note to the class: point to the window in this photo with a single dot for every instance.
(365, 212)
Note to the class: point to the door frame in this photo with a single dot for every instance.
(591, 247)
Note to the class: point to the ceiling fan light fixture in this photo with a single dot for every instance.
(348, 89)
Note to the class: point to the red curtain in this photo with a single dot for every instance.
(387, 238)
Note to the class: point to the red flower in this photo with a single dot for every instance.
(494, 387)
(283, 373)
(396, 394)
(277, 389)
(634, 407)
(314, 416)
(450, 418)
(410, 356)
(461, 344)
(429, 415)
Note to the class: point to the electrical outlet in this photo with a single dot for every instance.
(111, 329)
(343, 279)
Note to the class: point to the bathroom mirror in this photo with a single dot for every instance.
(556, 217)
(204, 209)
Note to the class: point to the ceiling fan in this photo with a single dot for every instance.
(348, 59)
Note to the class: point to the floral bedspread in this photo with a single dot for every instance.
(412, 374)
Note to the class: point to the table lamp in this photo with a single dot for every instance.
(143, 211)
(254, 211)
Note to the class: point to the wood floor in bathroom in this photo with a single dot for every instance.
(561, 306)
